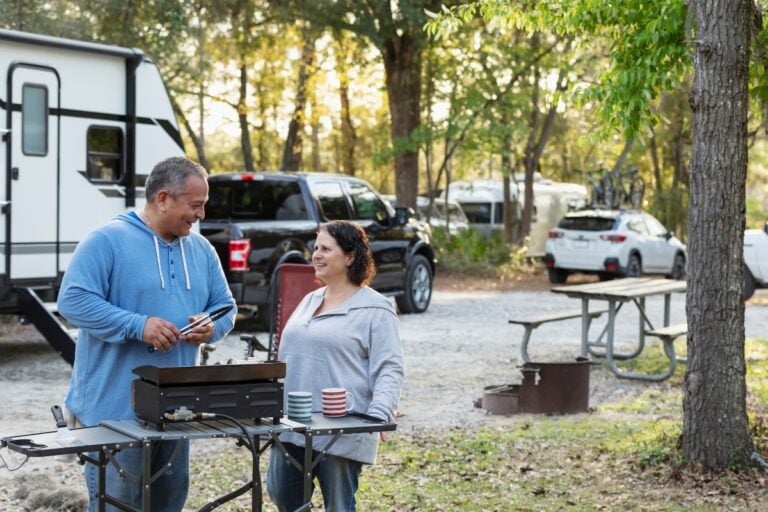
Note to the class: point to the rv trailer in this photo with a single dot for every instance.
(483, 203)
(81, 125)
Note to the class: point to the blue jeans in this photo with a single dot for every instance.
(168, 492)
(337, 476)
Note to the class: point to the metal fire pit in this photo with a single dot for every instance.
(550, 388)
(503, 399)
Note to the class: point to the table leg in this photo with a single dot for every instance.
(609, 337)
(667, 308)
(585, 321)
(256, 492)
(102, 479)
(641, 332)
(146, 476)
(308, 466)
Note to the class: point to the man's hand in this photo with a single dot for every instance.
(201, 333)
(160, 334)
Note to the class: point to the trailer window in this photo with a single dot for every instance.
(105, 153)
(34, 120)
(477, 213)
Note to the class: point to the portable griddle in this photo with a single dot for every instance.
(242, 391)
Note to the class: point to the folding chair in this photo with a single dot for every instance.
(291, 283)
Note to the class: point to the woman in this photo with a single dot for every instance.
(342, 335)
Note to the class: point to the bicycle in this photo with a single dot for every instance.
(629, 188)
(602, 187)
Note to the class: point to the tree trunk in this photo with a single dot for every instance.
(402, 65)
(348, 135)
(715, 427)
(623, 156)
(242, 116)
(196, 140)
(293, 141)
(315, 136)
(509, 205)
(529, 165)
(654, 149)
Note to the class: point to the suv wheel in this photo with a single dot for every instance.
(749, 284)
(678, 267)
(634, 266)
(418, 287)
(557, 275)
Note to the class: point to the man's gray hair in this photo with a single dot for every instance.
(171, 174)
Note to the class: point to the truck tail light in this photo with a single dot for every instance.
(553, 233)
(614, 238)
(238, 254)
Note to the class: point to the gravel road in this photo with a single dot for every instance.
(461, 345)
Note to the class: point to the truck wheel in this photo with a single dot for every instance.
(418, 287)
(749, 284)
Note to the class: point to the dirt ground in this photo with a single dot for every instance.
(460, 346)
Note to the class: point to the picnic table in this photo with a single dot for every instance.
(617, 293)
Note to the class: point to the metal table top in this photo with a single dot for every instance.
(79, 440)
(352, 423)
(196, 429)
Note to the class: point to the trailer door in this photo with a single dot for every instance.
(32, 181)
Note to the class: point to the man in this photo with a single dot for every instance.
(131, 285)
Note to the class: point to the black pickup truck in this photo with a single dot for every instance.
(258, 221)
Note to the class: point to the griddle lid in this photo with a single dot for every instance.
(226, 373)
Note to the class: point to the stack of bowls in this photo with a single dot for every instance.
(335, 402)
(300, 406)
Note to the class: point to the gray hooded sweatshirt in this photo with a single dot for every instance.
(356, 347)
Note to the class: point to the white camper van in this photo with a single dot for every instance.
(81, 125)
(483, 200)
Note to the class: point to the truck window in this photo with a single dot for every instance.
(105, 153)
(332, 201)
(34, 120)
(256, 200)
(367, 205)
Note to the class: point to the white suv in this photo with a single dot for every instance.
(755, 261)
(612, 243)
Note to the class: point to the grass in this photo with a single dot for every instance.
(622, 456)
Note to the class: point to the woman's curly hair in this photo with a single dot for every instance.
(353, 240)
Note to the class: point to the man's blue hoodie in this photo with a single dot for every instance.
(120, 275)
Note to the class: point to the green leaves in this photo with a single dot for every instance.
(646, 42)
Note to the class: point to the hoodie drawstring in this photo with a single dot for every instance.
(184, 262)
(159, 267)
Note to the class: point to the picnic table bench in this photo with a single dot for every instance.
(668, 335)
(533, 322)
